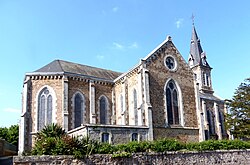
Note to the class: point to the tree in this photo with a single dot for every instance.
(238, 116)
(10, 134)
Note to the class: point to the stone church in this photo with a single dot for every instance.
(163, 96)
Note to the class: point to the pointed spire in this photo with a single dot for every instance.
(196, 52)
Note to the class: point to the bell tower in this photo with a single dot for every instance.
(197, 61)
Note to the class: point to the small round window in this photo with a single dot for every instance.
(170, 63)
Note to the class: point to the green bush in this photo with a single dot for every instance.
(218, 145)
(133, 147)
(167, 145)
(105, 148)
(53, 140)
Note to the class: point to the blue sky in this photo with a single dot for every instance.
(115, 34)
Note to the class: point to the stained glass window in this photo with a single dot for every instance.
(172, 103)
(45, 108)
(135, 107)
(78, 115)
(103, 110)
(210, 119)
(134, 137)
(170, 63)
(105, 137)
(121, 100)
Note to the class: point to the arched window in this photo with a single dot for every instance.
(121, 101)
(44, 108)
(78, 110)
(105, 138)
(135, 107)
(221, 120)
(172, 103)
(204, 79)
(210, 119)
(103, 110)
(207, 79)
(134, 137)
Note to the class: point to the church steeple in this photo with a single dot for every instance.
(196, 55)
(197, 61)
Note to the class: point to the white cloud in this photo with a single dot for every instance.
(117, 45)
(100, 57)
(12, 110)
(115, 9)
(134, 45)
(179, 22)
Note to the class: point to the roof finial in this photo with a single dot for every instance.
(192, 17)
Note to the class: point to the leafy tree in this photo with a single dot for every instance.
(238, 117)
(10, 134)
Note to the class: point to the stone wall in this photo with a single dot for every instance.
(232, 157)
(7, 149)
(182, 134)
(159, 75)
(117, 134)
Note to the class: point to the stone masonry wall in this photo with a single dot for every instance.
(159, 74)
(103, 90)
(82, 87)
(56, 85)
(182, 134)
(232, 157)
(183, 76)
(36, 86)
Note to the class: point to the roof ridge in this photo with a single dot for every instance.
(60, 64)
(89, 66)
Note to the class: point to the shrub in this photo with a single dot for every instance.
(105, 148)
(166, 145)
(133, 147)
(53, 140)
(218, 145)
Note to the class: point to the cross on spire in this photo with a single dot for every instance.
(192, 17)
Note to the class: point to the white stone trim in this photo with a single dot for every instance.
(181, 113)
(65, 97)
(217, 121)
(73, 109)
(54, 105)
(175, 63)
(140, 99)
(92, 112)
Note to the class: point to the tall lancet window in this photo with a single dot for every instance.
(135, 107)
(221, 120)
(172, 103)
(210, 120)
(103, 110)
(44, 108)
(121, 101)
(78, 110)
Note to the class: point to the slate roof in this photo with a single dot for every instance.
(196, 52)
(210, 97)
(60, 66)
